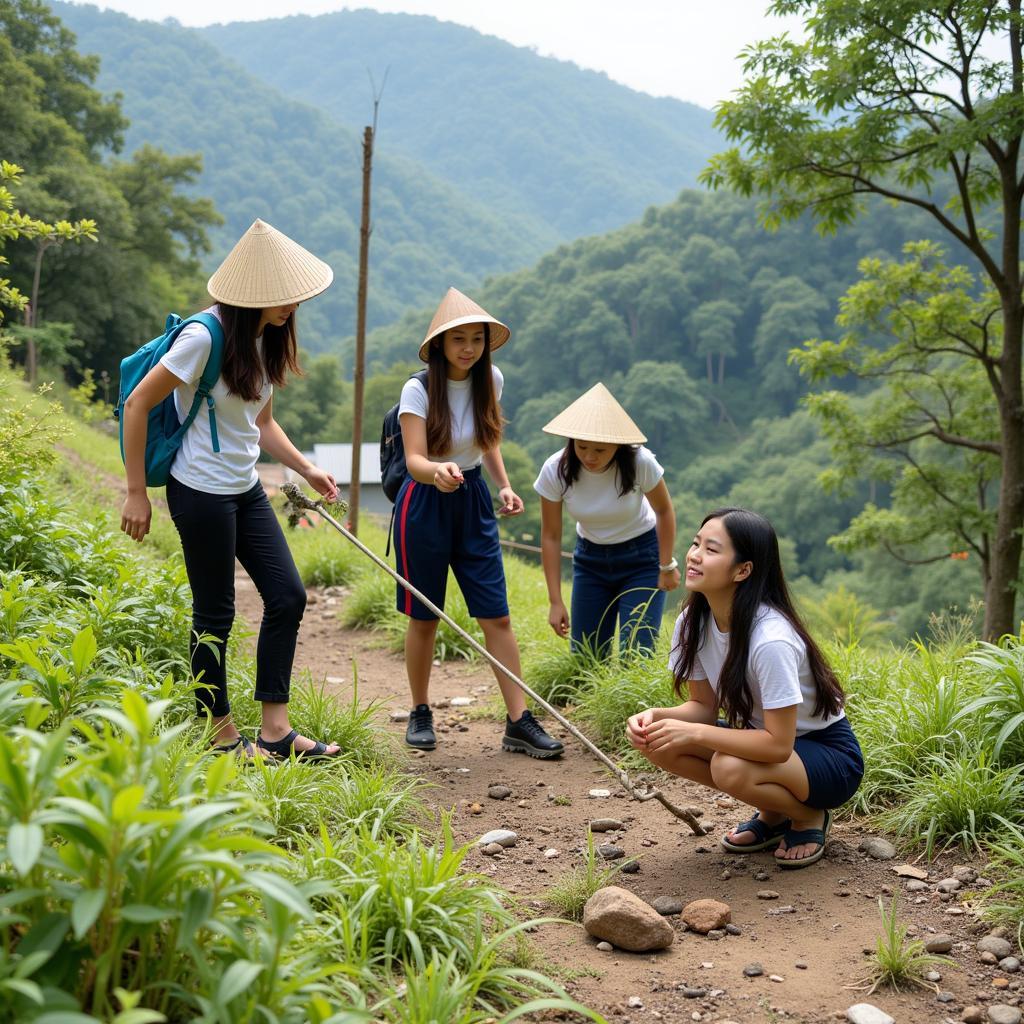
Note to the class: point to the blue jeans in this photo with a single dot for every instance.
(616, 585)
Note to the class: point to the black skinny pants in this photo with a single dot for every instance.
(214, 530)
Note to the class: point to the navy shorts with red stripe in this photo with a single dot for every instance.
(434, 531)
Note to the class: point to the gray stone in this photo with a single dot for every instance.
(787, 909)
(734, 929)
(940, 943)
(617, 916)
(880, 849)
(606, 825)
(635, 1003)
(753, 970)
(865, 1013)
(492, 848)
(605, 947)
(667, 905)
(932, 976)
(716, 934)
(999, 948)
(399, 716)
(609, 852)
(989, 958)
(948, 885)
(1010, 964)
(945, 997)
(631, 867)
(501, 836)
(1000, 1013)
(767, 894)
(704, 915)
(965, 875)
(690, 992)
(916, 885)
(499, 792)
(800, 965)
(599, 794)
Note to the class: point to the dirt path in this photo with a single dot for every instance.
(816, 950)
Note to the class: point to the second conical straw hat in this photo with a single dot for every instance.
(266, 268)
(596, 416)
(457, 309)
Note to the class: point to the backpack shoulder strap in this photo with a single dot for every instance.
(210, 372)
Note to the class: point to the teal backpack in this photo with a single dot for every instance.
(164, 433)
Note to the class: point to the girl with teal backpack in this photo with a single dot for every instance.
(208, 462)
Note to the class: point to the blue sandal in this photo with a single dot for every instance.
(282, 749)
(799, 837)
(241, 747)
(768, 836)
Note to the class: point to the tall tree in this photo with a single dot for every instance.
(908, 100)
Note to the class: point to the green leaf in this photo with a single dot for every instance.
(46, 935)
(85, 909)
(139, 1016)
(237, 978)
(277, 890)
(29, 989)
(24, 845)
(126, 801)
(65, 1017)
(83, 650)
(140, 913)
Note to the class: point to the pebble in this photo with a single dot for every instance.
(1000, 1013)
(787, 909)
(915, 885)
(522, 803)
(667, 905)
(910, 871)
(940, 943)
(635, 1003)
(999, 948)
(706, 965)
(605, 947)
(932, 976)
(551, 854)
(706, 915)
(767, 894)
(753, 970)
(606, 825)
(734, 929)
(492, 848)
(399, 716)
(880, 849)
(1010, 964)
(800, 965)
(866, 1013)
(989, 958)
(501, 836)
(475, 809)
(725, 802)
(761, 876)
(777, 978)
(972, 1015)
(725, 875)
(715, 934)
(1000, 982)
(599, 794)
(499, 792)
(966, 875)
(631, 867)
(945, 997)
(462, 702)
(948, 885)
(609, 852)
(694, 993)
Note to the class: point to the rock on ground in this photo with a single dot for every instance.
(705, 915)
(865, 1013)
(880, 849)
(941, 943)
(667, 905)
(501, 836)
(999, 948)
(1003, 1014)
(617, 916)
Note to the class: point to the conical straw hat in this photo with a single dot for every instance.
(266, 268)
(596, 416)
(457, 309)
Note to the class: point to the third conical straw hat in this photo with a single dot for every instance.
(457, 309)
(596, 416)
(266, 268)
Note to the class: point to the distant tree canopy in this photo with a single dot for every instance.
(150, 235)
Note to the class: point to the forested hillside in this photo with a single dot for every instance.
(268, 156)
(537, 139)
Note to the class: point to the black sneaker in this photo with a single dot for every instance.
(420, 731)
(527, 736)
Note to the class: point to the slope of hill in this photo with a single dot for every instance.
(533, 137)
(276, 158)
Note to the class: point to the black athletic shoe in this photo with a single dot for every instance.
(527, 736)
(420, 731)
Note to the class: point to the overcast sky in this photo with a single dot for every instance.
(682, 48)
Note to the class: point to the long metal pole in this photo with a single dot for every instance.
(299, 501)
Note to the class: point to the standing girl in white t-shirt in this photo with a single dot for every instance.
(626, 529)
(215, 498)
(444, 517)
(739, 647)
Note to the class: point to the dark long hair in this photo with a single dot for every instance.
(487, 422)
(624, 459)
(244, 372)
(754, 540)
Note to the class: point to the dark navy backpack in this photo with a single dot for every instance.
(392, 454)
(164, 433)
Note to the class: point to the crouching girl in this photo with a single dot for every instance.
(785, 746)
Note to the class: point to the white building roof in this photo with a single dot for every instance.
(337, 460)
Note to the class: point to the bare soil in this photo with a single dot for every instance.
(817, 951)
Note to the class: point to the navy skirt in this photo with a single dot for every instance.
(833, 762)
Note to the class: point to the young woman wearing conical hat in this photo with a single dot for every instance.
(444, 517)
(623, 563)
(215, 498)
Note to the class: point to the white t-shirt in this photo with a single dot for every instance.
(197, 465)
(778, 671)
(603, 515)
(464, 451)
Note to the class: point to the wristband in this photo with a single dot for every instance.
(674, 564)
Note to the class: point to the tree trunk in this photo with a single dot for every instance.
(721, 367)
(32, 314)
(711, 369)
(359, 371)
(1001, 592)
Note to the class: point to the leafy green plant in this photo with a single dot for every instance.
(569, 894)
(1000, 704)
(1005, 900)
(897, 961)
